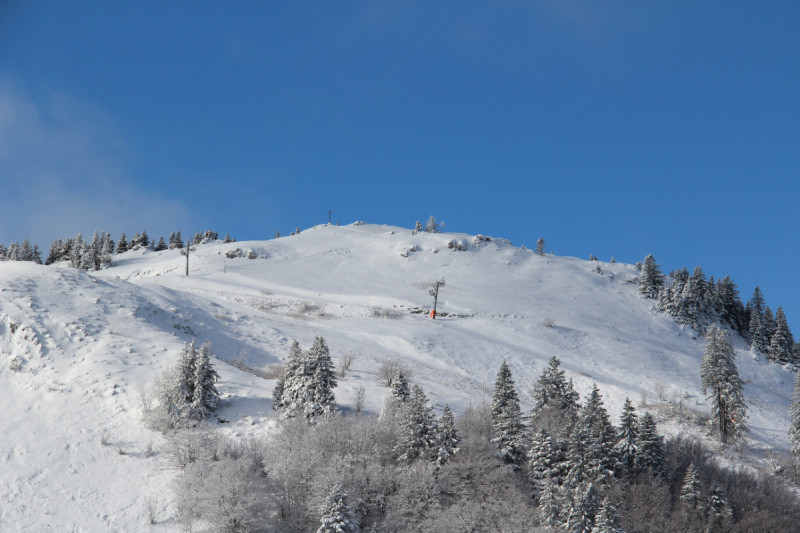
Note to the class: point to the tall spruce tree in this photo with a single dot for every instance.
(651, 281)
(447, 439)
(540, 459)
(720, 380)
(781, 346)
(692, 490)
(417, 429)
(319, 398)
(550, 504)
(651, 455)
(552, 390)
(508, 431)
(205, 397)
(627, 438)
(592, 455)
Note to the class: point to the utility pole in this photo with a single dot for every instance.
(329, 216)
(435, 294)
(188, 247)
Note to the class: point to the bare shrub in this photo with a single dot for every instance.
(548, 322)
(345, 362)
(105, 439)
(358, 403)
(661, 390)
(392, 368)
(381, 312)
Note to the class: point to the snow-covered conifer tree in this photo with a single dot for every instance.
(540, 246)
(627, 437)
(718, 509)
(293, 382)
(319, 398)
(591, 453)
(540, 457)
(650, 453)
(508, 432)
(607, 520)
(781, 343)
(692, 489)
(204, 396)
(583, 509)
(551, 389)
(720, 380)
(337, 515)
(122, 244)
(184, 377)
(550, 504)
(447, 439)
(161, 246)
(417, 437)
(651, 281)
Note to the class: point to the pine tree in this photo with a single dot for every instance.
(583, 510)
(591, 453)
(337, 515)
(720, 379)
(730, 309)
(55, 252)
(627, 437)
(508, 432)
(756, 304)
(650, 454)
(607, 520)
(293, 383)
(205, 397)
(184, 377)
(794, 420)
(768, 326)
(417, 429)
(692, 489)
(718, 509)
(540, 246)
(652, 280)
(551, 389)
(550, 504)
(417, 228)
(781, 343)
(161, 246)
(447, 439)
(540, 456)
(319, 398)
(122, 244)
(399, 394)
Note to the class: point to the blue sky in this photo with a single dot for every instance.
(607, 128)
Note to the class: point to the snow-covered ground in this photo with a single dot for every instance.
(78, 349)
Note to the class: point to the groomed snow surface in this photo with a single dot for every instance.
(78, 349)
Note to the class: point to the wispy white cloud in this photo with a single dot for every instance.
(64, 169)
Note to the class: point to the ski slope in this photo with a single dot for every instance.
(78, 349)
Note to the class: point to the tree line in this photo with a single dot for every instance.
(563, 467)
(700, 303)
(97, 253)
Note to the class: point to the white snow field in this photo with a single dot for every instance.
(77, 350)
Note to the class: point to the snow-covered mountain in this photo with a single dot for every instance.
(78, 349)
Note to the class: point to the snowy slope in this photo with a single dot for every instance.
(77, 349)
